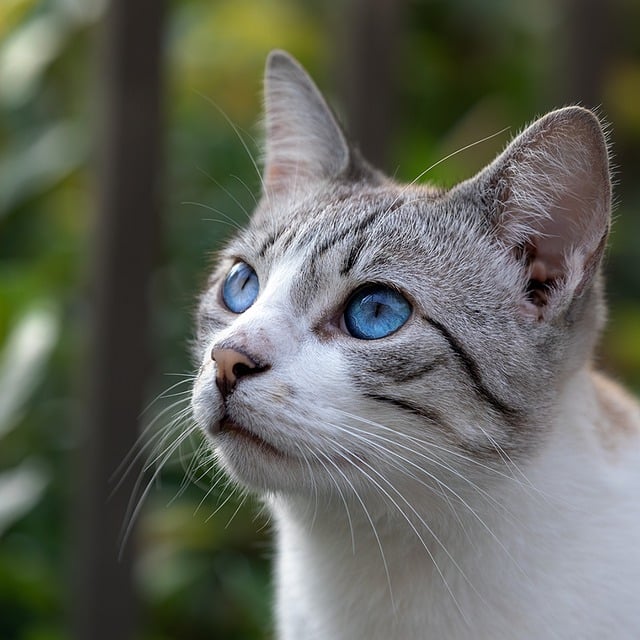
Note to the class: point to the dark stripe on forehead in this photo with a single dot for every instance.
(269, 242)
(473, 370)
(322, 248)
(288, 233)
(352, 258)
(354, 231)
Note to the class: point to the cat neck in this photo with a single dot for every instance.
(424, 567)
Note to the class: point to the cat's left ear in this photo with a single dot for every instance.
(549, 200)
(304, 142)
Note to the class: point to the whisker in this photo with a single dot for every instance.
(313, 482)
(432, 444)
(443, 485)
(236, 130)
(132, 513)
(228, 220)
(188, 378)
(235, 488)
(439, 162)
(413, 527)
(138, 450)
(246, 186)
(229, 194)
(218, 478)
(437, 460)
(509, 462)
(341, 494)
(245, 495)
(373, 527)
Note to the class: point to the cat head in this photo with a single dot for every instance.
(361, 329)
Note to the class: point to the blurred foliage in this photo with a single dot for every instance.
(469, 69)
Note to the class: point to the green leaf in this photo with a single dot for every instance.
(22, 362)
(32, 168)
(20, 490)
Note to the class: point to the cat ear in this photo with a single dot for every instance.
(549, 196)
(304, 141)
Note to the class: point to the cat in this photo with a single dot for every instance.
(404, 374)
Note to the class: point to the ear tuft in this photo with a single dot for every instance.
(304, 142)
(550, 203)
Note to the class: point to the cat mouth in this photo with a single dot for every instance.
(227, 425)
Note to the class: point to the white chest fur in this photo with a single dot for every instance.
(557, 559)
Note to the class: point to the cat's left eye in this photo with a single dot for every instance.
(240, 288)
(375, 311)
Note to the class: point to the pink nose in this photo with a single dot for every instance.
(231, 366)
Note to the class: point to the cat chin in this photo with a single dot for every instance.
(264, 467)
(258, 466)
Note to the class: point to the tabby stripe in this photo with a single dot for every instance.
(345, 233)
(429, 414)
(269, 242)
(416, 374)
(354, 231)
(474, 371)
(352, 258)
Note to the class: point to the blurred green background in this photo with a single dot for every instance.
(462, 71)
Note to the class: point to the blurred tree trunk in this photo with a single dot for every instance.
(127, 230)
(590, 50)
(371, 33)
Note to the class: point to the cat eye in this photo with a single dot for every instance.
(240, 288)
(375, 311)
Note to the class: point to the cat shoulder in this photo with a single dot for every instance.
(618, 426)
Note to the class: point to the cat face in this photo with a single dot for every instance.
(360, 332)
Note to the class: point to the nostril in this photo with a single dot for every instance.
(233, 364)
(241, 369)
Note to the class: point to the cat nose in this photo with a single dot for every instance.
(231, 366)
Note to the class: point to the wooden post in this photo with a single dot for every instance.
(590, 44)
(124, 248)
(372, 34)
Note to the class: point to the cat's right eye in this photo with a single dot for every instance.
(240, 288)
(375, 311)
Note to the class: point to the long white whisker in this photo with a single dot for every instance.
(245, 495)
(432, 457)
(509, 463)
(373, 526)
(227, 219)
(439, 162)
(138, 450)
(219, 477)
(454, 493)
(313, 482)
(340, 493)
(236, 130)
(164, 394)
(413, 527)
(244, 184)
(221, 186)
(132, 513)
(432, 444)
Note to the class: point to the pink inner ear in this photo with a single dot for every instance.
(571, 222)
(538, 271)
(557, 236)
(557, 205)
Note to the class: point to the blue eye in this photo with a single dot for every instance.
(375, 311)
(240, 288)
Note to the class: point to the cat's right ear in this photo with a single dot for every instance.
(304, 142)
(548, 198)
